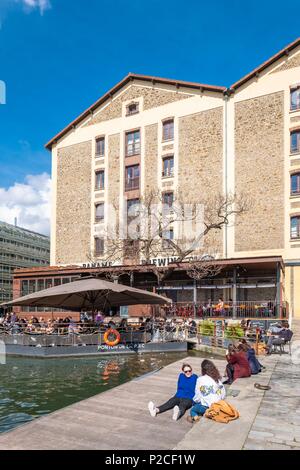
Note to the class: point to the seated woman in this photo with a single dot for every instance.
(209, 390)
(183, 399)
(238, 365)
(254, 363)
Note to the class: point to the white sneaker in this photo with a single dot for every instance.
(152, 409)
(175, 412)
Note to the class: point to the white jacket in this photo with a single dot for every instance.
(207, 391)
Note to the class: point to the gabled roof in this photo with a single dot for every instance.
(266, 64)
(130, 77)
(177, 83)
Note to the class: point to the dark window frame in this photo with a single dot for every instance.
(98, 140)
(132, 183)
(99, 218)
(297, 190)
(170, 168)
(296, 148)
(101, 187)
(135, 147)
(99, 250)
(295, 103)
(130, 112)
(168, 130)
(297, 235)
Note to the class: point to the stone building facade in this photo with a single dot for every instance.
(149, 133)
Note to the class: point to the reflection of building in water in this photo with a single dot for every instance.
(111, 368)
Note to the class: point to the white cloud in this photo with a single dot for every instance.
(42, 5)
(30, 202)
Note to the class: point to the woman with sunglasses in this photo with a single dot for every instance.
(209, 390)
(183, 399)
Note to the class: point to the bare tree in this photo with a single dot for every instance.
(147, 227)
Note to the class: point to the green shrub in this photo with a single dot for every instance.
(206, 328)
(234, 331)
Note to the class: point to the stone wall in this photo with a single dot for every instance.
(153, 98)
(112, 183)
(113, 177)
(201, 159)
(73, 204)
(289, 64)
(150, 162)
(259, 172)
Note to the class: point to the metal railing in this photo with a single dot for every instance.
(79, 334)
(229, 309)
(133, 183)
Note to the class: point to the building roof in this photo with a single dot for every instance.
(256, 262)
(25, 231)
(266, 64)
(177, 83)
(130, 77)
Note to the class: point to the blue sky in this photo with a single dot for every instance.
(59, 56)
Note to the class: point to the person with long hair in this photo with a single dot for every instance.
(254, 363)
(209, 389)
(238, 365)
(183, 399)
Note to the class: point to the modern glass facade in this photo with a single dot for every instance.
(19, 248)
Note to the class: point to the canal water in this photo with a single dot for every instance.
(30, 388)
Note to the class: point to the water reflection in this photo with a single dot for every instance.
(30, 388)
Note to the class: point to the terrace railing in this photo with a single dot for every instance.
(230, 309)
(94, 335)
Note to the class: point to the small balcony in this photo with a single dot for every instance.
(132, 183)
(168, 173)
(133, 149)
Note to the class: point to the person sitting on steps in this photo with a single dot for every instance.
(209, 390)
(238, 365)
(183, 399)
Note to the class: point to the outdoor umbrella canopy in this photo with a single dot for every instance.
(89, 294)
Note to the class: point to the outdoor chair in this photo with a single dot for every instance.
(280, 343)
(288, 342)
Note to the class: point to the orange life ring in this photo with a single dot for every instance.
(109, 332)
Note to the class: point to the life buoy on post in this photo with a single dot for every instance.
(110, 332)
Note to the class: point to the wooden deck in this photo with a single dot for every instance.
(119, 419)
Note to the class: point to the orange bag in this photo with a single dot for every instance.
(222, 412)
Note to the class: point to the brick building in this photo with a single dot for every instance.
(169, 135)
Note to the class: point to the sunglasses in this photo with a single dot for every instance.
(187, 371)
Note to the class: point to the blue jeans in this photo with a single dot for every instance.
(198, 409)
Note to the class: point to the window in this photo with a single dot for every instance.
(295, 141)
(100, 147)
(168, 166)
(167, 235)
(99, 246)
(168, 129)
(99, 182)
(132, 208)
(168, 199)
(132, 177)
(99, 212)
(295, 227)
(133, 143)
(132, 108)
(295, 98)
(295, 183)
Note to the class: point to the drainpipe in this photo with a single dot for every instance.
(278, 289)
(226, 97)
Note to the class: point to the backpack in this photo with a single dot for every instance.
(222, 412)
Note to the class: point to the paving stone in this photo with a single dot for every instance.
(260, 434)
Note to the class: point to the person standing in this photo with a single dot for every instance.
(183, 399)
